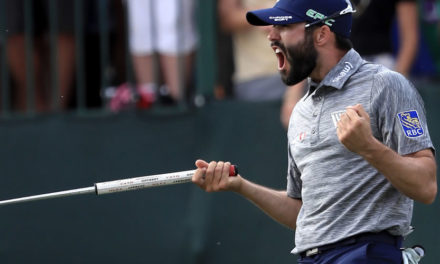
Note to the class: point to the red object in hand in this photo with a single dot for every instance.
(233, 170)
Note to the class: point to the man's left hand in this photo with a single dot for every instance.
(354, 129)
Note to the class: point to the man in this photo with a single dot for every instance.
(372, 36)
(250, 83)
(17, 53)
(359, 148)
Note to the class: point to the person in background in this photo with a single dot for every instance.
(251, 83)
(165, 27)
(292, 95)
(16, 46)
(255, 77)
(372, 27)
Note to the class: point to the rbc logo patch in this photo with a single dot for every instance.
(411, 123)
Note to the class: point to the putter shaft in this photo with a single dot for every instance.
(49, 195)
(120, 185)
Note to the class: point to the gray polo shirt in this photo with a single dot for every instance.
(342, 194)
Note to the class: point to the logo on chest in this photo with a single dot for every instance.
(411, 123)
(336, 116)
(301, 136)
(347, 68)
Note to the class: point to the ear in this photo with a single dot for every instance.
(322, 35)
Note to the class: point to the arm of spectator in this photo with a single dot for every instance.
(232, 15)
(408, 24)
(291, 97)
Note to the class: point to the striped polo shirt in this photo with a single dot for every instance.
(342, 194)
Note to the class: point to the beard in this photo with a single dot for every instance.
(302, 60)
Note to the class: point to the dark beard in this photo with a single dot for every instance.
(302, 59)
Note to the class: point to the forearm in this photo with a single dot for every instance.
(292, 95)
(407, 17)
(414, 176)
(214, 177)
(274, 203)
(232, 16)
(406, 56)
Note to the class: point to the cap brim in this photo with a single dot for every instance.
(271, 16)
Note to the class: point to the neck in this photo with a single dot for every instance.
(326, 61)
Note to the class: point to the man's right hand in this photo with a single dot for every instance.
(214, 177)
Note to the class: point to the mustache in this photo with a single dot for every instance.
(279, 45)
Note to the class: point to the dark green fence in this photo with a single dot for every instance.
(172, 224)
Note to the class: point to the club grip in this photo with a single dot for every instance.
(233, 170)
(150, 181)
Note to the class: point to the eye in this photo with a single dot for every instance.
(280, 27)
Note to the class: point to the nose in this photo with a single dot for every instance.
(274, 34)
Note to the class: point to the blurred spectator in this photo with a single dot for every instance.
(166, 27)
(292, 95)
(225, 65)
(17, 55)
(372, 27)
(113, 66)
(250, 47)
(427, 63)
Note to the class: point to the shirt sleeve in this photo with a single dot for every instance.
(400, 114)
(294, 183)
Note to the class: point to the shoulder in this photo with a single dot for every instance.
(390, 87)
(365, 76)
(391, 81)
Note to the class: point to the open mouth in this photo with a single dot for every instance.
(281, 57)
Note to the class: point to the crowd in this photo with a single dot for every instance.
(153, 47)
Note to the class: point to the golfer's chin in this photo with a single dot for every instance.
(287, 79)
(284, 76)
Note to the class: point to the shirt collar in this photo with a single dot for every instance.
(342, 71)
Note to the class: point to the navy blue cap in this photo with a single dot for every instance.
(285, 12)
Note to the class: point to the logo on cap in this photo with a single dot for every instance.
(316, 15)
(280, 18)
(410, 123)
